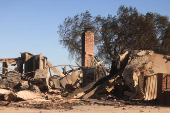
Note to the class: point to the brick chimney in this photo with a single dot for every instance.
(87, 48)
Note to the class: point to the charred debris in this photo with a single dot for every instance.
(32, 74)
(134, 76)
(141, 75)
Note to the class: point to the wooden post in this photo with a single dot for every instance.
(21, 68)
(159, 88)
(28, 64)
(18, 64)
(4, 71)
(45, 62)
(34, 65)
(47, 78)
(40, 61)
(64, 70)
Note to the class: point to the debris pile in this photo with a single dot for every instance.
(132, 76)
(31, 78)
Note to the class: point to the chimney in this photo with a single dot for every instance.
(87, 47)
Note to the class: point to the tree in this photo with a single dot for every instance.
(71, 31)
(128, 30)
(107, 40)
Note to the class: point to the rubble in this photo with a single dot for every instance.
(33, 81)
(7, 95)
(140, 73)
(4, 91)
(28, 95)
(132, 76)
(10, 96)
(59, 104)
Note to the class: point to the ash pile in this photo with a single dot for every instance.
(132, 76)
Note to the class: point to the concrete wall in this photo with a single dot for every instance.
(160, 64)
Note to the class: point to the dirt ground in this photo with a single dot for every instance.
(92, 109)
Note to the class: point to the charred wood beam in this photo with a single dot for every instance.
(17, 67)
(55, 69)
(6, 59)
(4, 70)
(72, 70)
(64, 70)
(78, 64)
(71, 67)
(10, 69)
(100, 63)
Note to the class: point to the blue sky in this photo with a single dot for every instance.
(32, 25)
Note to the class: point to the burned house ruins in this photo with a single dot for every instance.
(141, 74)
